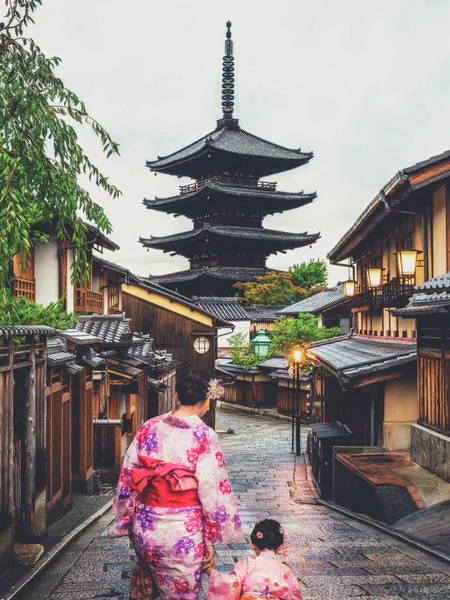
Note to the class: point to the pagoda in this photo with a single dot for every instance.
(227, 202)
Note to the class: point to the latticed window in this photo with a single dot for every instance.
(201, 345)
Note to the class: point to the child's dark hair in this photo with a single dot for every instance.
(192, 387)
(267, 535)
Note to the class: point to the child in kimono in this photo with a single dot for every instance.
(262, 576)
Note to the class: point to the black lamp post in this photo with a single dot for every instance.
(298, 359)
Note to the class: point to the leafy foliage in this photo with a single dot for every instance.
(310, 275)
(299, 282)
(242, 351)
(272, 288)
(288, 332)
(40, 157)
(21, 311)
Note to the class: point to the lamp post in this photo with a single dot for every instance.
(261, 344)
(298, 359)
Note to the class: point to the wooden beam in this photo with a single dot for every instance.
(376, 378)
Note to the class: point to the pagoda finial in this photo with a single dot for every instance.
(228, 76)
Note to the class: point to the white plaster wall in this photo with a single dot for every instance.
(70, 287)
(46, 266)
(240, 327)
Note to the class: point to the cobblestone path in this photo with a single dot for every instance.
(335, 557)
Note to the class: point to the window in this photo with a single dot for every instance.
(201, 345)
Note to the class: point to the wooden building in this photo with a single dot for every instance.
(45, 275)
(227, 202)
(23, 435)
(330, 306)
(430, 436)
(401, 239)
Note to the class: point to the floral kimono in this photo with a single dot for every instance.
(170, 455)
(262, 577)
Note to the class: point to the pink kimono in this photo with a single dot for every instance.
(171, 540)
(262, 576)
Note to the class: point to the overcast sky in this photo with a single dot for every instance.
(365, 85)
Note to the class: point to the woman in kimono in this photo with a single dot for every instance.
(174, 497)
(257, 577)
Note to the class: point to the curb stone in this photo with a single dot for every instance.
(54, 552)
(388, 530)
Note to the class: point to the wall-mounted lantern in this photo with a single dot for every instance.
(407, 261)
(349, 287)
(374, 277)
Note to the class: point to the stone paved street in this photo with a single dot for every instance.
(334, 556)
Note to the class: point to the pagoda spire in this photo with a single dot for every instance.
(228, 76)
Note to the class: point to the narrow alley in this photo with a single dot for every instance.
(334, 556)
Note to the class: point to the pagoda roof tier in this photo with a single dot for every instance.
(261, 199)
(223, 273)
(230, 149)
(270, 239)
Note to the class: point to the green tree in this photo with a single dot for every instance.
(288, 332)
(272, 288)
(25, 312)
(241, 351)
(310, 275)
(41, 160)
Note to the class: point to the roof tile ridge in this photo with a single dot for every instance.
(200, 139)
(297, 150)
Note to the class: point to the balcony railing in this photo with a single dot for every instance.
(26, 288)
(392, 293)
(87, 300)
(249, 184)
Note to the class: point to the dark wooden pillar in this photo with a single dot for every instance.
(10, 396)
(30, 442)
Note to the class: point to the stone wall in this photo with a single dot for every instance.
(431, 450)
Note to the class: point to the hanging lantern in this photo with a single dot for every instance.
(374, 275)
(261, 343)
(407, 261)
(349, 287)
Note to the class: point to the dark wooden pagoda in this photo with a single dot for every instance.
(227, 202)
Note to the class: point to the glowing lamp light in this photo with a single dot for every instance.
(407, 261)
(298, 356)
(374, 276)
(349, 287)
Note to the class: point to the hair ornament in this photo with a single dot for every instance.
(259, 535)
(215, 390)
(281, 531)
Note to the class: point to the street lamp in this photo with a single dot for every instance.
(349, 287)
(374, 276)
(261, 343)
(407, 261)
(297, 360)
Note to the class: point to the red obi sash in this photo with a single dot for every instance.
(165, 484)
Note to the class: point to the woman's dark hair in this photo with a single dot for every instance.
(267, 535)
(192, 387)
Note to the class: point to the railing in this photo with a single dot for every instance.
(88, 301)
(26, 288)
(398, 288)
(249, 184)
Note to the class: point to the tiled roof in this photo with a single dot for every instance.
(352, 357)
(230, 309)
(233, 141)
(115, 267)
(285, 239)
(269, 201)
(228, 273)
(8, 331)
(431, 297)
(378, 204)
(260, 312)
(57, 355)
(274, 363)
(110, 329)
(315, 303)
(100, 238)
